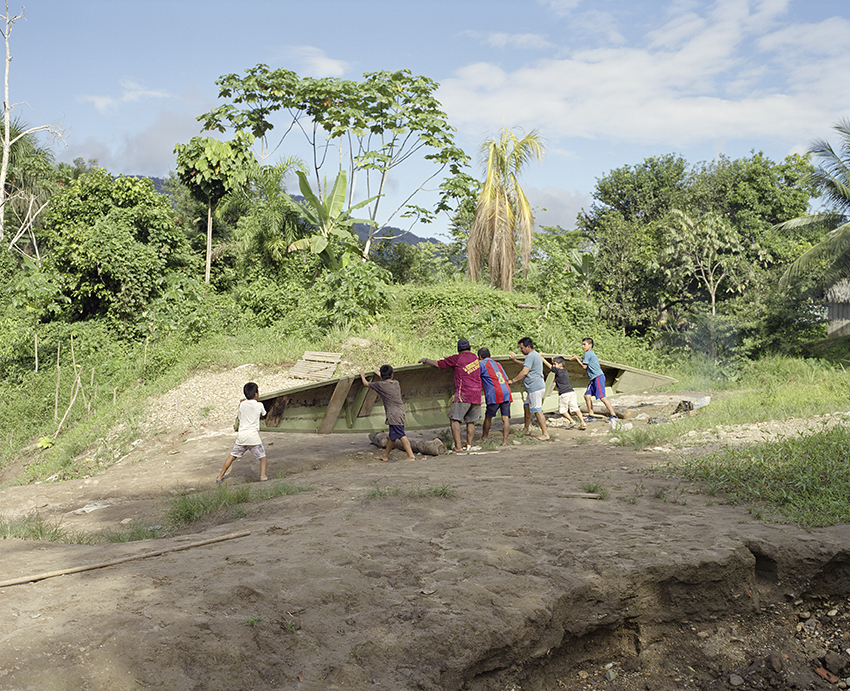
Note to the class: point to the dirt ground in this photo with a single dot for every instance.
(368, 580)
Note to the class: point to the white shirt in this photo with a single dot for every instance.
(249, 423)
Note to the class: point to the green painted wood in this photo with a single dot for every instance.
(427, 394)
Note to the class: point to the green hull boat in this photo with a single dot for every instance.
(343, 404)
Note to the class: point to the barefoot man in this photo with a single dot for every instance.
(532, 378)
(466, 404)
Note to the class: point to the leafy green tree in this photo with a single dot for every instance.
(113, 242)
(755, 194)
(638, 281)
(424, 263)
(268, 219)
(38, 292)
(707, 250)
(557, 265)
(377, 124)
(831, 178)
(503, 215)
(210, 169)
(333, 239)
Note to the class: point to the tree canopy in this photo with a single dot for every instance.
(367, 127)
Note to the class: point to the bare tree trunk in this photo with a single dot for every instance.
(7, 108)
(209, 241)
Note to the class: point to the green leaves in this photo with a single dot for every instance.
(211, 168)
(331, 221)
(384, 120)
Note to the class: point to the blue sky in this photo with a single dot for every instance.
(607, 83)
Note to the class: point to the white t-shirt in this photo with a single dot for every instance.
(249, 423)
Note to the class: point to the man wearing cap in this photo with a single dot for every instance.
(466, 404)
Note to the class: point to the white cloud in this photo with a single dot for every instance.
(736, 71)
(149, 151)
(526, 41)
(315, 62)
(132, 91)
(556, 207)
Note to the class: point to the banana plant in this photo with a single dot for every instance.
(330, 222)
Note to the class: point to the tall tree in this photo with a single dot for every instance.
(831, 178)
(210, 169)
(503, 215)
(369, 127)
(708, 250)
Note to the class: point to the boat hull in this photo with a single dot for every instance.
(343, 404)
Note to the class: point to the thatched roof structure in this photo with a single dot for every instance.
(840, 292)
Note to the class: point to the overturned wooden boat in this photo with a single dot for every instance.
(343, 404)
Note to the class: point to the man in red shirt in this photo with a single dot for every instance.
(466, 404)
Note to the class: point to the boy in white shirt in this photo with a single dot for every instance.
(248, 437)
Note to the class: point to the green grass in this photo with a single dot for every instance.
(182, 510)
(803, 480)
(192, 507)
(35, 527)
(769, 389)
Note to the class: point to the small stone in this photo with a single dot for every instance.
(735, 680)
(703, 634)
(583, 675)
(611, 674)
(832, 613)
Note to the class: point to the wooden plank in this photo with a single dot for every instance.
(338, 397)
(322, 357)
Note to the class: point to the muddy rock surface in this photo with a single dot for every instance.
(478, 571)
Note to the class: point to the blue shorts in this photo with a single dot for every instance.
(504, 408)
(596, 387)
(396, 432)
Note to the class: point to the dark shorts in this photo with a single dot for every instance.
(465, 412)
(396, 432)
(596, 388)
(494, 408)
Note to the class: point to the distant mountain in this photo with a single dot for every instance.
(158, 183)
(405, 237)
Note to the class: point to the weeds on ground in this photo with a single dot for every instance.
(191, 507)
(35, 527)
(182, 510)
(595, 488)
(803, 479)
(444, 491)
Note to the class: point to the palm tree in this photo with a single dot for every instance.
(30, 180)
(831, 178)
(503, 215)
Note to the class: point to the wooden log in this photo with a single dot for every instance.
(114, 562)
(579, 495)
(600, 410)
(432, 447)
